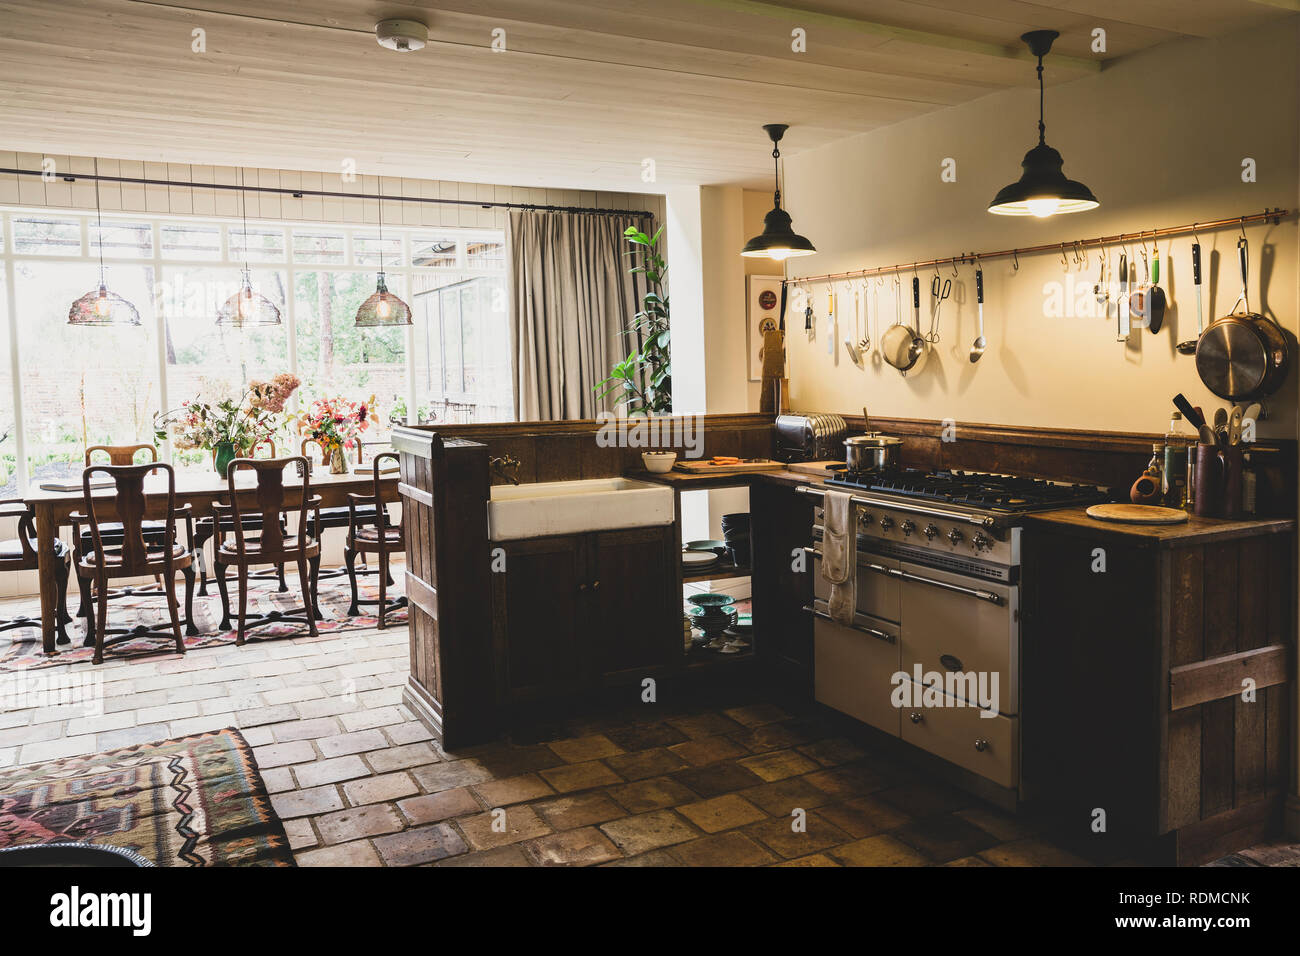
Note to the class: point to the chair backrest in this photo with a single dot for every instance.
(264, 443)
(270, 500)
(25, 513)
(321, 449)
(375, 468)
(121, 454)
(130, 505)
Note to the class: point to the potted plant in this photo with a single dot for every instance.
(643, 379)
(230, 428)
(336, 424)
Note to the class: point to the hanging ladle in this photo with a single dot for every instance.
(977, 349)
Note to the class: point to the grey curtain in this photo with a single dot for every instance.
(571, 297)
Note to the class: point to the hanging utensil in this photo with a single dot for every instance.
(851, 337)
(939, 293)
(1189, 347)
(1122, 327)
(903, 346)
(977, 348)
(864, 343)
(830, 324)
(1156, 299)
(1245, 354)
(1137, 299)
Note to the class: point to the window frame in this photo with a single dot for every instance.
(229, 226)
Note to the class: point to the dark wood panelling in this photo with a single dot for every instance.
(1217, 677)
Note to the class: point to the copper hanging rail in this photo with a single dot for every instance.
(1268, 215)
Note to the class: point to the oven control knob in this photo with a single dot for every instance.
(916, 717)
(982, 542)
(930, 532)
(954, 537)
(886, 522)
(864, 519)
(907, 527)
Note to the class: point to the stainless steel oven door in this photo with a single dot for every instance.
(955, 624)
(854, 668)
(877, 584)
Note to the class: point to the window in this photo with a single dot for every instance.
(93, 385)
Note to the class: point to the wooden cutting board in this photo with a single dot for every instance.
(819, 468)
(1137, 514)
(706, 467)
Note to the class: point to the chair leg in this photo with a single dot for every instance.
(284, 585)
(383, 584)
(308, 595)
(243, 602)
(349, 562)
(191, 628)
(219, 568)
(61, 616)
(87, 611)
(173, 607)
(102, 626)
(202, 557)
(314, 564)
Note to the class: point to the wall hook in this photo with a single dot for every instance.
(1015, 260)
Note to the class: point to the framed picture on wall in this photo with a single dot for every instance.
(762, 311)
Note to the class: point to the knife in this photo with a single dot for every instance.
(1122, 327)
(781, 324)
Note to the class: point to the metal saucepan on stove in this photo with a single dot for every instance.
(872, 452)
(1243, 355)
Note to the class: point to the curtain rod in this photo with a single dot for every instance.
(299, 193)
(1078, 245)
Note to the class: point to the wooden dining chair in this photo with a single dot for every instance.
(237, 545)
(207, 528)
(120, 454)
(19, 554)
(369, 534)
(134, 554)
(338, 517)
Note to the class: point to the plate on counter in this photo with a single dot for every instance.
(698, 560)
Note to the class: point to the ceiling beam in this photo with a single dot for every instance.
(797, 16)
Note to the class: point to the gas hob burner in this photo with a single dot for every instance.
(1006, 494)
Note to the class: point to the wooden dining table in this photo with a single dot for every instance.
(199, 490)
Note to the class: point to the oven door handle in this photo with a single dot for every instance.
(825, 615)
(864, 565)
(934, 582)
(987, 522)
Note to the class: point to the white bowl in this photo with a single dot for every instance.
(659, 462)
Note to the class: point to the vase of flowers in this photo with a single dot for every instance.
(336, 424)
(230, 428)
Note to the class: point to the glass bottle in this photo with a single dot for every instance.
(1174, 472)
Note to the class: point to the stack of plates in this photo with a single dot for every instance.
(696, 561)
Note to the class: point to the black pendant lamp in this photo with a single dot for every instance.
(778, 240)
(246, 308)
(383, 308)
(1042, 189)
(101, 307)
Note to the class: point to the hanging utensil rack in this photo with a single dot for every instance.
(1273, 216)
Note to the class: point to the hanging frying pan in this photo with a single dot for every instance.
(1243, 355)
(902, 346)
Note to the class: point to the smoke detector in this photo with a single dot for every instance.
(404, 36)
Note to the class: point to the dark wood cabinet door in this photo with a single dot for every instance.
(634, 625)
(540, 600)
(781, 523)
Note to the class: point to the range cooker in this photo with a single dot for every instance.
(938, 598)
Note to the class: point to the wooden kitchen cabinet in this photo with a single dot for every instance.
(781, 524)
(572, 614)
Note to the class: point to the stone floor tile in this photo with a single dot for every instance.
(401, 758)
(310, 729)
(500, 793)
(265, 715)
(374, 819)
(1002, 825)
(721, 813)
(778, 764)
(780, 836)
(332, 770)
(278, 779)
(753, 715)
(945, 837)
(579, 810)
(648, 831)
(374, 717)
(881, 850)
(580, 776)
(130, 736)
(58, 749)
(408, 733)
(718, 778)
(585, 846)
(814, 859)
(499, 827)
(501, 856)
(305, 803)
(864, 817)
(583, 749)
(301, 835)
(340, 745)
(645, 763)
(832, 751)
(645, 736)
(356, 853)
(855, 779)
(435, 807)
(253, 736)
(1030, 853)
(420, 845)
(924, 799)
(705, 725)
(780, 797)
(723, 849)
(654, 794)
(969, 861)
(449, 774)
(707, 750)
(652, 859)
(379, 789)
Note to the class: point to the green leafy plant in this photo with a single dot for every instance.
(643, 380)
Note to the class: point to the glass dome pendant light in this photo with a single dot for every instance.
(101, 307)
(246, 308)
(383, 308)
(778, 240)
(1042, 189)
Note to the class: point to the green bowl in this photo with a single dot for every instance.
(711, 600)
(705, 545)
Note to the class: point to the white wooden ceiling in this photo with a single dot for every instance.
(587, 91)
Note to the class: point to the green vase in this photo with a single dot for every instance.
(225, 454)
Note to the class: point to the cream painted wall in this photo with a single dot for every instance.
(1160, 138)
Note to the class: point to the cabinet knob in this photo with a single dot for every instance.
(582, 586)
(981, 744)
(916, 717)
(595, 585)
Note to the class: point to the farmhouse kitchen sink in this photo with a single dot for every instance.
(573, 507)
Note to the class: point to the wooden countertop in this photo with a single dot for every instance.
(1065, 520)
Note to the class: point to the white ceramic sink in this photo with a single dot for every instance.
(573, 507)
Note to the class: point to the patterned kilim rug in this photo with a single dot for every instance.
(22, 650)
(197, 801)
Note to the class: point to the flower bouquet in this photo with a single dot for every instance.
(336, 424)
(230, 428)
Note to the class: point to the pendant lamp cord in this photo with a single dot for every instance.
(243, 206)
(776, 173)
(1042, 127)
(381, 226)
(99, 223)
